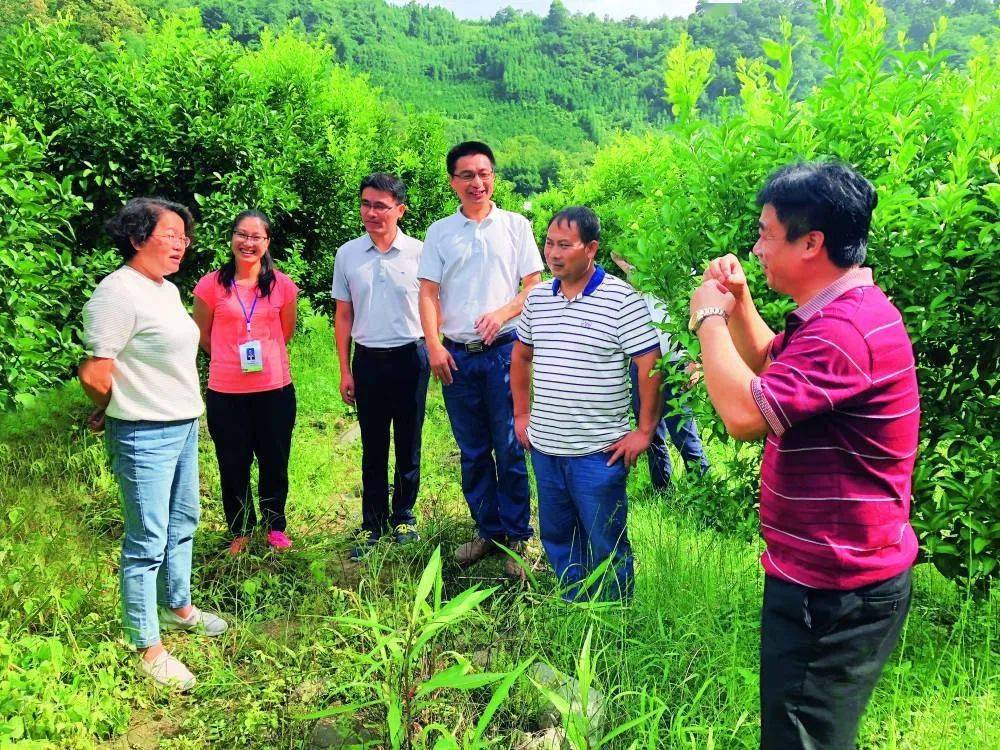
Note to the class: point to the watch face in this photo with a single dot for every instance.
(693, 321)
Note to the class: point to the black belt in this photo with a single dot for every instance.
(382, 351)
(474, 347)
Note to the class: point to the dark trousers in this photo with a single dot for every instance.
(683, 434)
(481, 412)
(244, 425)
(390, 388)
(821, 653)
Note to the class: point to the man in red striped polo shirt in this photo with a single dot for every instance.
(835, 398)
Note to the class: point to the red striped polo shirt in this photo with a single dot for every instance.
(840, 398)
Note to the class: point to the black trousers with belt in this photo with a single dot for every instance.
(244, 425)
(390, 388)
(821, 653)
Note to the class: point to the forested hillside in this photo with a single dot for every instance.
(544, 89)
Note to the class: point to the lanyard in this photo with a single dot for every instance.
(246, 317)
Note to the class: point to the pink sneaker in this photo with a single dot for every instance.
(278, 540)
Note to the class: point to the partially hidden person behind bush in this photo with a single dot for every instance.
(678, 424)
(245, 312)
(835, 398)
(141, 374)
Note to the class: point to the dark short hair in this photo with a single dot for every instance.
(468, 148)
(824, 197)
(586, 221)
(387, 183)
(134, 223)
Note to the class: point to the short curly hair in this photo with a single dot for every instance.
(135, 222)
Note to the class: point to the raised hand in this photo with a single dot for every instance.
(728, 271)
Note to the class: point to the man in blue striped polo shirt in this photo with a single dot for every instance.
(576, 336)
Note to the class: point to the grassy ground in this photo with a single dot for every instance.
(312, 631)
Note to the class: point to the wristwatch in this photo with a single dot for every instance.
(698, 317)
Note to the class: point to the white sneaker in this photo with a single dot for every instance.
(198, 622)
(168, 671)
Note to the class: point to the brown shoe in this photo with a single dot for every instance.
(238, 545)
(511, 567)
(474, 551)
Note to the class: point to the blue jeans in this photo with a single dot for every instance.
(156, 464)
(683, 434)
(582, 513)
(494, 475)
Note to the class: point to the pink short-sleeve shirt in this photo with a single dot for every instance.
(840, 398)
(229, 330)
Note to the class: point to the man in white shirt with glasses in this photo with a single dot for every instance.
(475, 271)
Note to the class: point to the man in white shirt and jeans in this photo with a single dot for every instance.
(475, 271)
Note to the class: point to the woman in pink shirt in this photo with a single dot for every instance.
(246, 314)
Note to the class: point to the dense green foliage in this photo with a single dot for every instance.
(545, 89)
(38, 279)
(190, 115)
(924, 131)
(112, 104)
(311, 632)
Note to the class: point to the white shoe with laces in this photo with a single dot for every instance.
(168, 671)
(198, 622)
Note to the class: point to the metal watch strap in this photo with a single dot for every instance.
(705, 313)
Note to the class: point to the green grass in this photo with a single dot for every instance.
(681, 660)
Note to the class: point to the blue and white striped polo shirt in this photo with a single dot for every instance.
(582, 348)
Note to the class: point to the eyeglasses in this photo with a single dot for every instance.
(173, 238)
(378, 208)
(252, 238)
(469, 175)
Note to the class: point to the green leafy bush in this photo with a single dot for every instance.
(924, 132)
(38, 280)
(193, 116)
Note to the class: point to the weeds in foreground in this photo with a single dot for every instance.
(676, 668)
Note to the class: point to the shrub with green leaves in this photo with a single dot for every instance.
(193, 116)
(38, 279)
(924, 132)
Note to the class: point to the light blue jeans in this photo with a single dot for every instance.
(156, 464)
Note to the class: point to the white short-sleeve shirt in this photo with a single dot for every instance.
(382, 287)
(479, 266)
(142, 325)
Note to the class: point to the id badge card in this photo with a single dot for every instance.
(251, 356)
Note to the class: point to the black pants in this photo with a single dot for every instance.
(244, 425)
(390, 387)
(821, 653)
